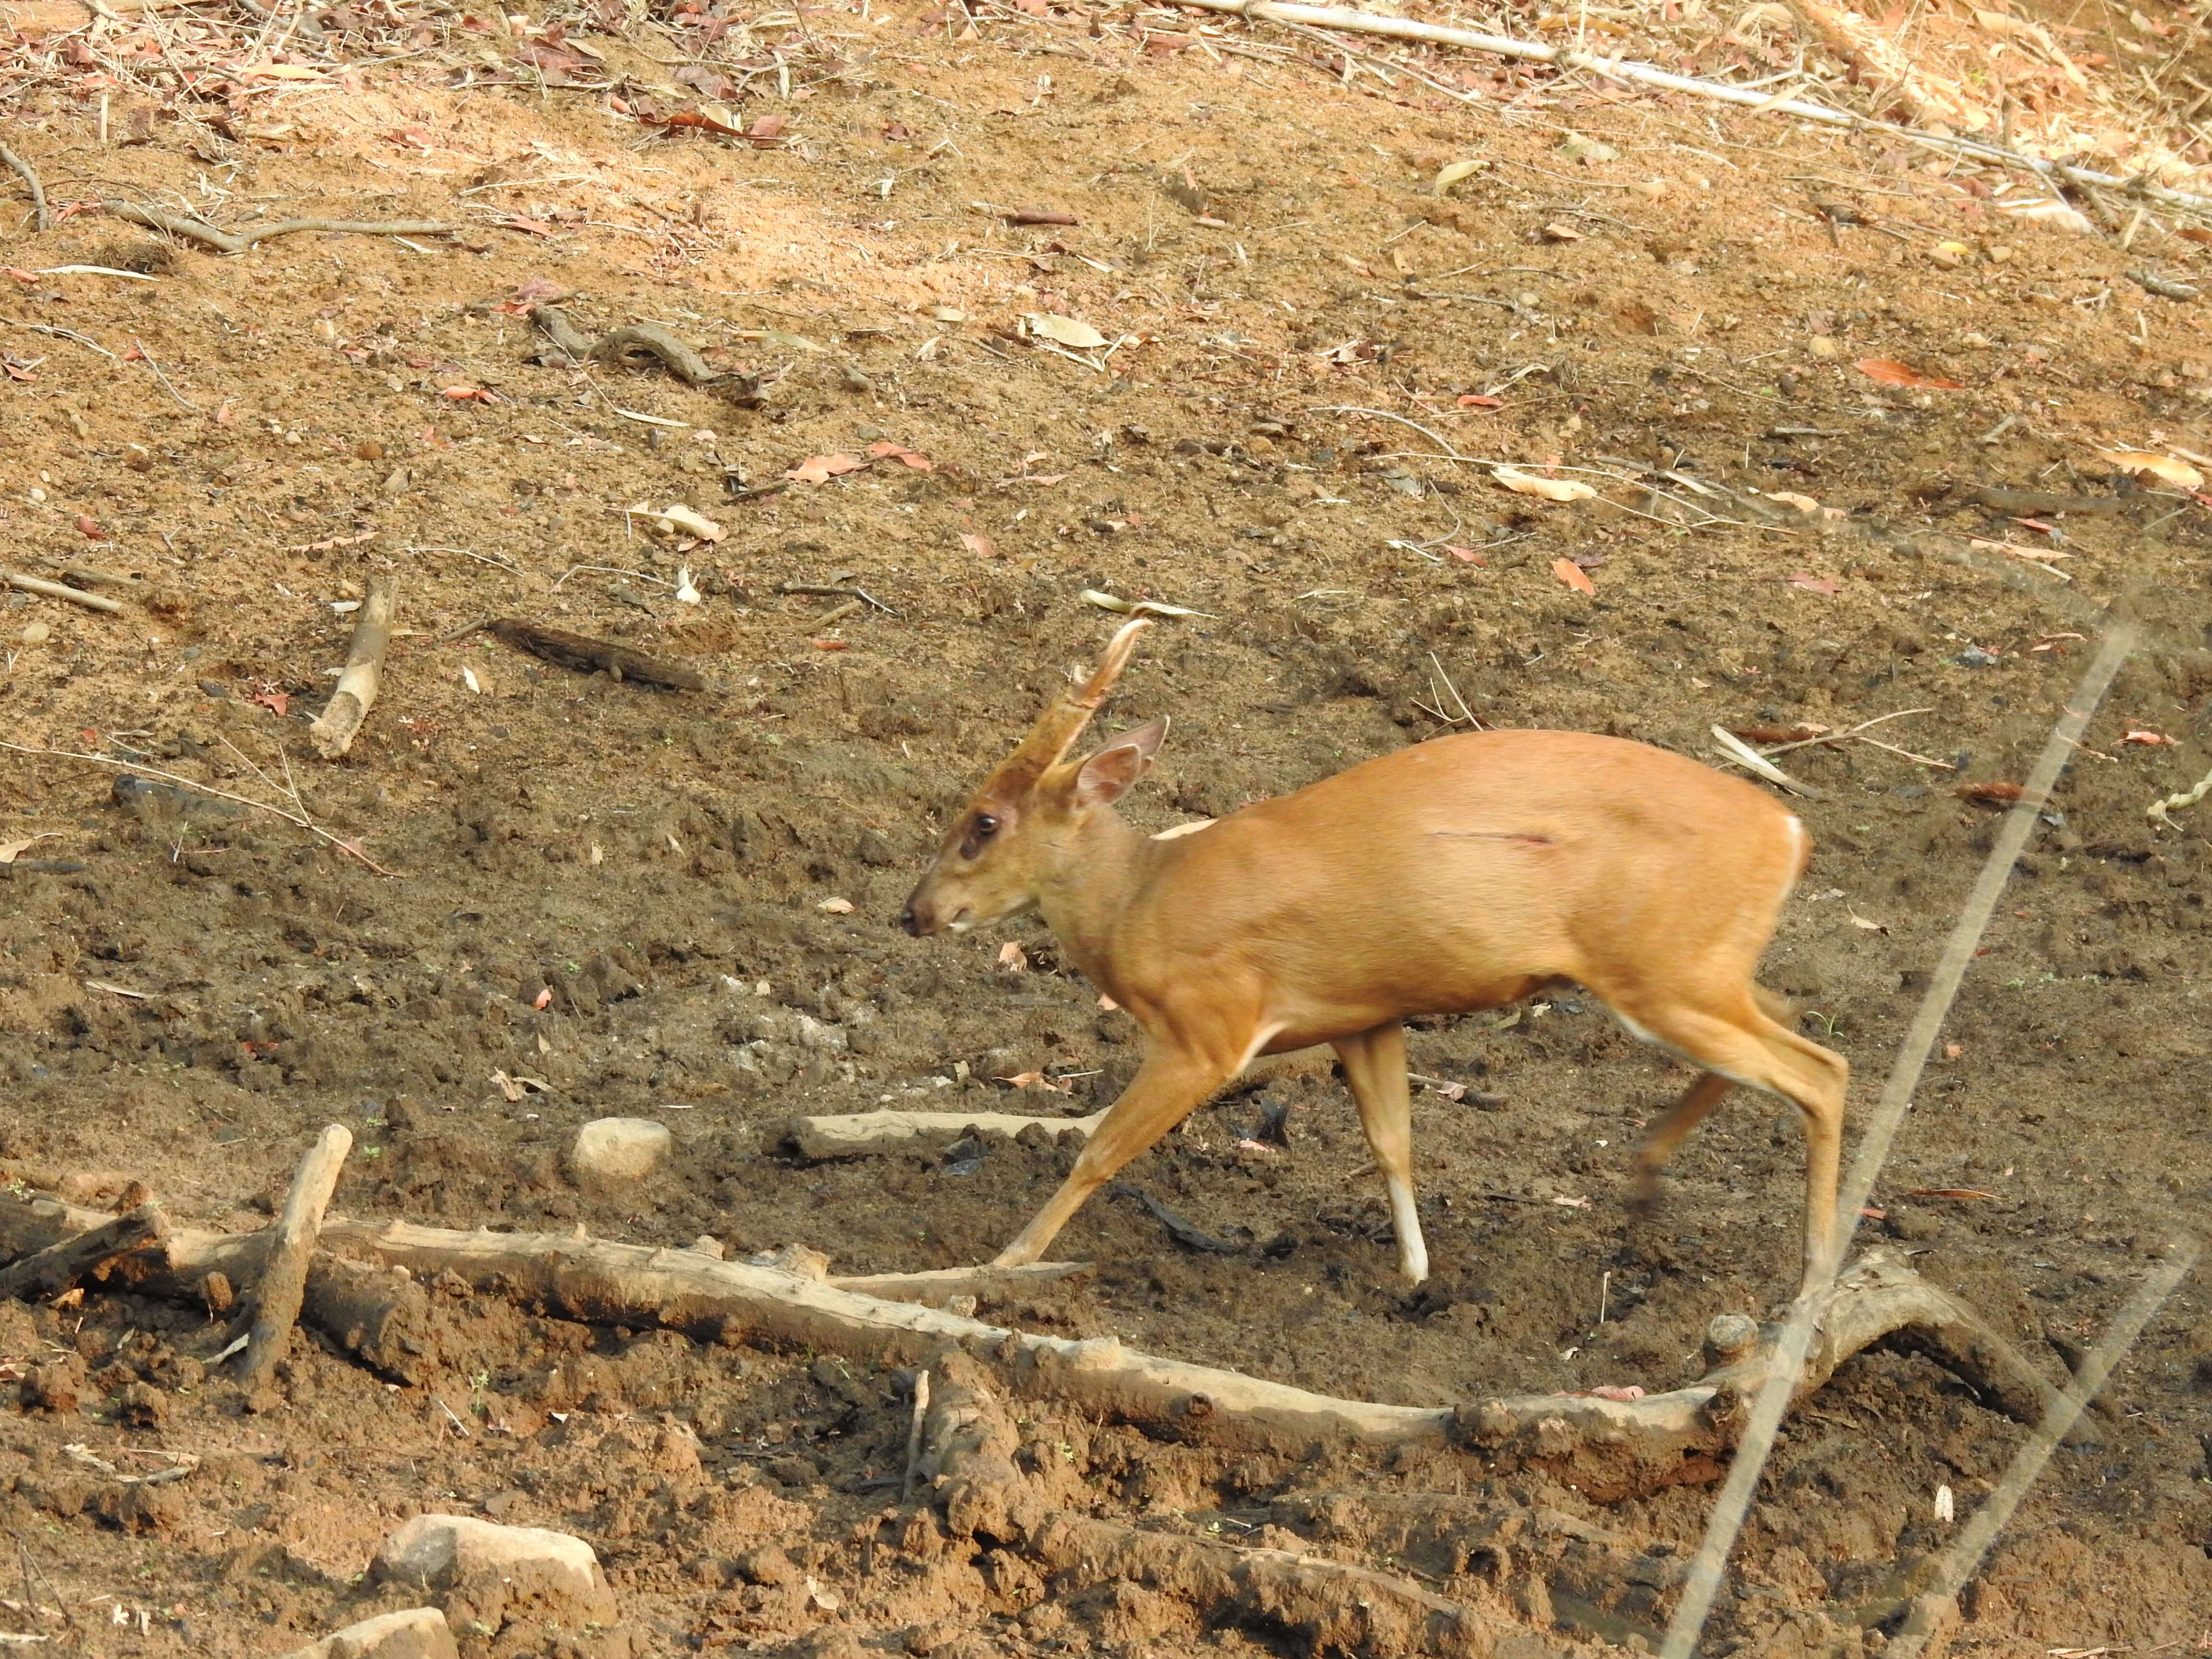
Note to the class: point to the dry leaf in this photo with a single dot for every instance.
(677, 516)
(1552, 489)
(12, 850)
(913, 457)
(544, 998)
(2148, 738)
(2144, 462)
(1616, 1391)
(1449, 175)
(1556, 232)
(1573, 575)
(2056, 214)
(1471, 555)
(1989, 794)
(1813, 583)
(508, 1086)
(1858, 921)
(820, 468)
(1064, 331)
(1022, 1079)
(1138, 607)
(836, 907)
(981, 546)
(1012, 958)
(469, 679)
(1575, 147)
(1791, 498)
(1890, 371)
(1477, 400)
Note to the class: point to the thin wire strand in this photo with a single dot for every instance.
(1757, 1442)
(1959, 1562)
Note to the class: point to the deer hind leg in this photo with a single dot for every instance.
(1740, 1042)
(1168, 1088)
(1375, 1065)
(1671, 1128)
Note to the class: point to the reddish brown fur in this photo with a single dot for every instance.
(1458, 874)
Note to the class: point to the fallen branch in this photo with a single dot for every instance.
(846, 1134)
(1566, 58)
(678, 356)
(46, 1273)
(29, 175)
(590, 656)
(939, 1286)
(379, 1316)
(46, 589)
(228, 241)
(335, 728)
(284, 1272)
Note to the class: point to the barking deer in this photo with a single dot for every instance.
(1462, 873)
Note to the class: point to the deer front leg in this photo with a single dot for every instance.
(1169, 1086)
(1375, 1065)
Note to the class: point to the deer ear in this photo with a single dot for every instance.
(1110, 774)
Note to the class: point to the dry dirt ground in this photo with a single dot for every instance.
(623, 895)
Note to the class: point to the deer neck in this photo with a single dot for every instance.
(1086, 894)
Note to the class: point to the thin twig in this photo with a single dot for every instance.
(300, 818)
(29, 175)
(147, 358)
(227, 241)
(46, 589)
(1835, 737)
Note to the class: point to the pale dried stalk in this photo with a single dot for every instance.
(335, 728)
(46, 589)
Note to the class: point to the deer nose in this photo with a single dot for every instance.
(910, 922)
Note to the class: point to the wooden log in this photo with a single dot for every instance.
(46, 1273)
(939, 1286)
(284, 1274)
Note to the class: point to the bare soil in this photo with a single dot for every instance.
(620, 897)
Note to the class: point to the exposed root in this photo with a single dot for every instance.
(29, 174)
(237, 241)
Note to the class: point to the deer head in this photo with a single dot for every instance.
(1005, 840)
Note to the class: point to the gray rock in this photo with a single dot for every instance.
(617, 1149)
(418, 1633)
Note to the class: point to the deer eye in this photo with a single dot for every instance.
(985, 826)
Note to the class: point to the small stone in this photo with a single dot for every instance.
(767, 1565)
(418, 1633)
(483, 1571)
(57, 1387)
(708, 1244)
(35, 633)
(1824, 345)
(618, 1149)
(1730, 1336)
(144, 1406)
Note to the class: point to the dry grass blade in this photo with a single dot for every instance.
(352, 849)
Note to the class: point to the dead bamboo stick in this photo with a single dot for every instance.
(284, 1276)
(46, 589)
(335, 728)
